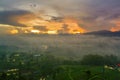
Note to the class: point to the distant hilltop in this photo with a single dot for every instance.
(104, 33)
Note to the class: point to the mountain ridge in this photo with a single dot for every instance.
(104, 33)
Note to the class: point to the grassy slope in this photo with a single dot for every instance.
(80, 73)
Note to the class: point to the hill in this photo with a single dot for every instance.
(105, 33)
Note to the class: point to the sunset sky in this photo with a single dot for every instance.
(59, 16)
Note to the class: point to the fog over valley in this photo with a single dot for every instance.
(67, 46)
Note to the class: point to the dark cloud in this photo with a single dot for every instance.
(41, 28)
(6, 17)
(113, 16)
(105, 8)
(65, 29)
(57, 19)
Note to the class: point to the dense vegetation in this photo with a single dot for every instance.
(23, 66)
(99, 60)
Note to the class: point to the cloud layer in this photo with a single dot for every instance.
(8, 17)
(91, 14)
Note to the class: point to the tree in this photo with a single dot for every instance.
(111, 59)
(92, 60)
(48, 66)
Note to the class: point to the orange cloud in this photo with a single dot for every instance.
(73, 26)
(32, 20)
(15, 31)
(24, 19)
(116, 27)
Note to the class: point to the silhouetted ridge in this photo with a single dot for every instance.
(104, 33)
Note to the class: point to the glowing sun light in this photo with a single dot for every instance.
(52, 32)
(14, 31)
(35, 31)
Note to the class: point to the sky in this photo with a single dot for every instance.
(58, 16)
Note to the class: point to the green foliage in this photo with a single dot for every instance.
(29, 66)
(111, 59)
(99, 60)
(23, 66)
(92, 60)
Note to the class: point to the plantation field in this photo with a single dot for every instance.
(23, 66)
(81, 72)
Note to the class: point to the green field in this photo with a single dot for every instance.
(23, 66)
(81, 72)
